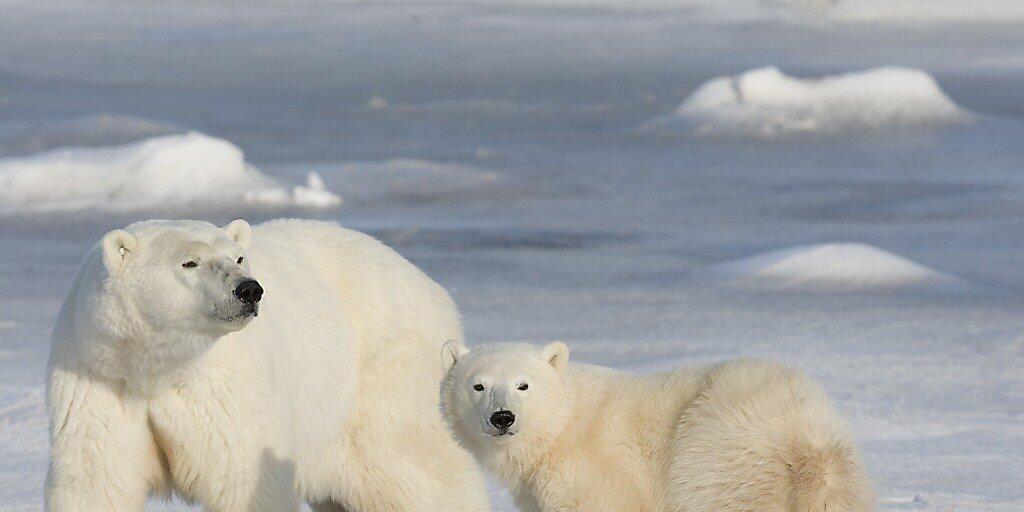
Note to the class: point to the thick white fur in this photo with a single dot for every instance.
(328, 396)
(741, 436)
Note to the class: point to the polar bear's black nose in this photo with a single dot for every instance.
(503, 419)
(249, 292)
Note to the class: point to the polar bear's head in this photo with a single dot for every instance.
(506, 401)
(155, 294)
(182, 276)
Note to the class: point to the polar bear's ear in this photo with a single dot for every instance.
(451, 353)
(556, 354)
(118, 246)
(240, 231)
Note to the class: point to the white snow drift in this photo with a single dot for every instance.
(765, 102)
(160, 172)
(841, 265)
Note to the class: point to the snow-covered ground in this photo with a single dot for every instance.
(506, 148)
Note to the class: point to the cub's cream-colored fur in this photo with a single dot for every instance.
(740, 436)
(162, 380)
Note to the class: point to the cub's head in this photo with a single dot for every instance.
(504, 402)
(180, 276)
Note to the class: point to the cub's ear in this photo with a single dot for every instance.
(556, 354)
(451, 353)
(118, 246)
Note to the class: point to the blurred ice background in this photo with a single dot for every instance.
(837, 184)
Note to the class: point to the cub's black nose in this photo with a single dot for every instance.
(502, 420)
(249, 292)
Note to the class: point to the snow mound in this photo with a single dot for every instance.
(842, 265)
(160, 172)
(765, 102)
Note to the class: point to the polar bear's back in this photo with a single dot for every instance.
(379, 289)
(335, 301)
(391, 321)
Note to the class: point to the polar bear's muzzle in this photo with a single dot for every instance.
(502, 420)
(249, 292)
(242, 304)
(499, 416)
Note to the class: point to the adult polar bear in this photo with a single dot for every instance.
(162, 380)
(740, 436)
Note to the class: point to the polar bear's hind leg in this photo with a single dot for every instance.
(825, 478)
(762, 437)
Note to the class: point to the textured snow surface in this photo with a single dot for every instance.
(836, 265)
(765, 102)
(162, 172)
(413, 179)
(917, 11)
(893, 11)
(900, 11)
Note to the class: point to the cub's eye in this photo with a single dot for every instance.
(189, 264)
(478, 387)
(524, 386)
(240, 258)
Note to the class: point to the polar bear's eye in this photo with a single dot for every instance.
(524, 386)
(240, 258)
(478, 387)
(189, 264)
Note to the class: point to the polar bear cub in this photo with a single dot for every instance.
(740, 436)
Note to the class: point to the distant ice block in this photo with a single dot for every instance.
(849, 265)
(314, 194)
(161, 172)
(765, 102)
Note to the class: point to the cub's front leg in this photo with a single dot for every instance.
(102, 455)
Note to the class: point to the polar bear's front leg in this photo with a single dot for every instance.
(237, 480)
(221, 443)
(102, 455)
